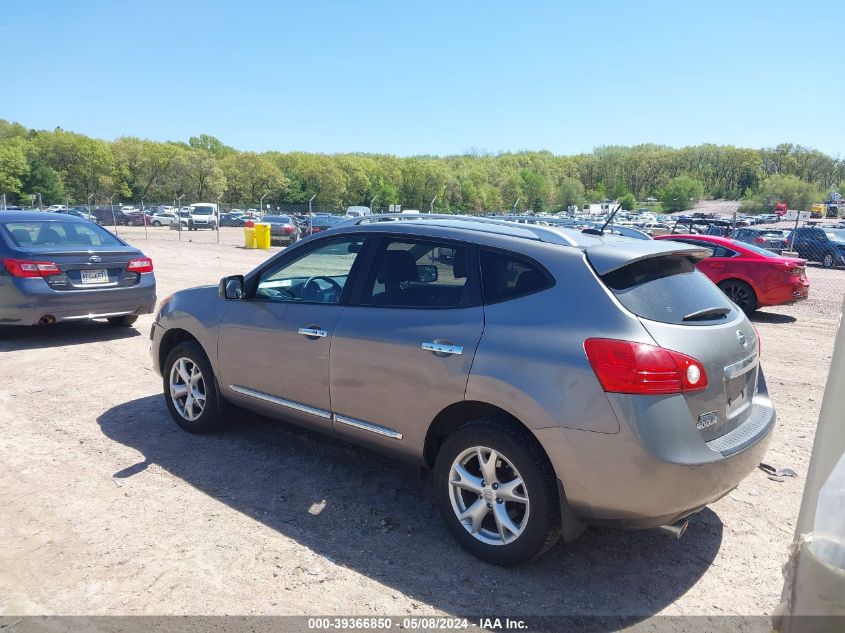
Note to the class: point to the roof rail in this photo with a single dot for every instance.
(541, 233)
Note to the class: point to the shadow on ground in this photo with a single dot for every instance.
(379, 519)
(16, 338)
(772, 317)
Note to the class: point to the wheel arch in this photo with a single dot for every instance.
(746, 280)
(171, 339)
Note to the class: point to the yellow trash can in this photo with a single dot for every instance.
(262, 235)
(249, 237)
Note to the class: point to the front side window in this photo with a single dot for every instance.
(317, 276)
(505, 277)
(418, 274)
(45, 235)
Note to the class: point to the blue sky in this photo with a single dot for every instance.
(430, 77)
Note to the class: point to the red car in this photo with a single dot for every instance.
(750, 276)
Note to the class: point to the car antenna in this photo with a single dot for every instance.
(600, 231)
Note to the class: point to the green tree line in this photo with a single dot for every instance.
(62, 165)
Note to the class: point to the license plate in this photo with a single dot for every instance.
(95, 276)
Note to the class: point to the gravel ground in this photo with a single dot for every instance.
(108, 508)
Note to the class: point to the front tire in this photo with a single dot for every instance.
(741, 294)
(497, 492)
(190, 389)
(156, 223)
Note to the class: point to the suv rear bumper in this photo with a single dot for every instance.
(643, 479)
(26, 301)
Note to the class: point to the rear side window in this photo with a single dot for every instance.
(506, 277)
(59, 234)
(670, 290)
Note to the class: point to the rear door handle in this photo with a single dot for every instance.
(312, 331)
(442, 348)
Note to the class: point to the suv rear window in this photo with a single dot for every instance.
(667, 289)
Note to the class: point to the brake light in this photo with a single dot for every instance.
(140, 265)
(789, 268)
(28, 268)
(639, 368)
(288, 229)
(759, 240)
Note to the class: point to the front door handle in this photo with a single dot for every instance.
(442, 348)
(313, 331)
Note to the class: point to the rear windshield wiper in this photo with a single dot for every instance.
(707, 314)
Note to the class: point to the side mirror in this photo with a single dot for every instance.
(426, 273)
(232, 288)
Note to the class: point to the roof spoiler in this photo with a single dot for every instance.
(609, 256)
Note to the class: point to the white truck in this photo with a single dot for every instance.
(200, 215)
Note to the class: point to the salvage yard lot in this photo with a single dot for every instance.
(109, 508)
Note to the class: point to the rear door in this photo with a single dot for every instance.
(683, 311)
(403, 351)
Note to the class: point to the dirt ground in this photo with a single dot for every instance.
(106, 507)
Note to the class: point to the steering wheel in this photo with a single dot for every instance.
(308, 288)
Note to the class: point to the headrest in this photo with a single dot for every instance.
(22, 236)
(396, 267)
(459, 263)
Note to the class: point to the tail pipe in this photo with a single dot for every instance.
(676, 529)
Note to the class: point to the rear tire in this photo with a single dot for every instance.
(123, 321)
(511, 529)
(156, 223)
(828, 260)
(190, 389)
(740, 293)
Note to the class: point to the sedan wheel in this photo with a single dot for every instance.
(828, 260)
(488, 496)
(187, 389)
(741, 294)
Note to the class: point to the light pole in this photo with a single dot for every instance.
(431, 206)
(40, 206)
(513, 210)
(113, 219)
(311, 215)
(144, 217)
(372, 200)
(3, 203)
(261, 206)
(217, 225)
(89, 203)
(179, 214)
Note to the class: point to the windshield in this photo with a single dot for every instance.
(38, 235)
(202, 210)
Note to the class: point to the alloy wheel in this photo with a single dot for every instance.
(738, 294)
(488, 495)
(187, 389)
(828, 261)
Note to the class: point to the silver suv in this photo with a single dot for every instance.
(551, 378)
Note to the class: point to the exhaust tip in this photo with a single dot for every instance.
(675, 530)
(47, 319)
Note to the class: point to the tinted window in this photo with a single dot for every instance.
(317, 276)
(505, 276)
(418, 274)
(666, 289)
(721, 251)
(62, 234)
(279, 219)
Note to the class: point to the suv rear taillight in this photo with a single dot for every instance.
(140, 265)
(639, 368)
(28, 268)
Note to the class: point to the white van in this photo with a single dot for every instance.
(201, 215)
(357, 212)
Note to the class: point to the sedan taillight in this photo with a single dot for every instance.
(288, 229)
(140, 265)
(28, 268)
(639, 368)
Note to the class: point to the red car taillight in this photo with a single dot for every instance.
(638, 368)
(140, 265)
(28, 268)
(288, 230)
(759, 240)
